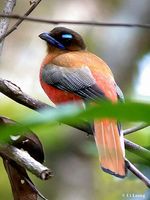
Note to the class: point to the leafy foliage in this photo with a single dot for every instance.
(72, 113)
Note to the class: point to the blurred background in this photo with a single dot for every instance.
(70, 154)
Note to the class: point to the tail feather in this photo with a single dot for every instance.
(109, 146)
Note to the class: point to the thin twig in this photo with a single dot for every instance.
(14, 27)
(136, 172)
(134, 129)
(34, 188)
(137, 149)
(23, 159)
(15, 93)
(4, 22)
(55, 22)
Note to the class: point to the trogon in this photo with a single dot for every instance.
(70, 73)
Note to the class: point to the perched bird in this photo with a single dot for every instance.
(71, 73)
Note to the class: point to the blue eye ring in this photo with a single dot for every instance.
(67, 36)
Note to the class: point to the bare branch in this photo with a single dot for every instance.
(4, 22)
(137, 149)
(21, 184)
(34, 188)
(14, 27)
(14, 92)
(134, 129)
(17, 175)
(55, 22)
(137, 173)
(23, 159)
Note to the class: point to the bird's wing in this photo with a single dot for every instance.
(75, 80)
(120, 94)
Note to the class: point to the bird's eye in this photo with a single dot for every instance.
(67, 36)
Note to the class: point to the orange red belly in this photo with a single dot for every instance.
(58, 96)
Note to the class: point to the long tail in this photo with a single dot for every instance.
(110, 147)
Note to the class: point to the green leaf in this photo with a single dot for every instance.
(72, 113)
(129, 111)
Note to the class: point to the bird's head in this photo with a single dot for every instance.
(64, 39)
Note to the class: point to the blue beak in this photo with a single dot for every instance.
(51, 40)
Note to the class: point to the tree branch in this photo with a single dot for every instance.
(23, 159)
(15, 93)
(134, 129)
(4, 22)
(16, 162)
(137, 149)
(14, 27)
(137, 173)
(56, 22)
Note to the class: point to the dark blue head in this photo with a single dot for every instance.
(64, 39)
